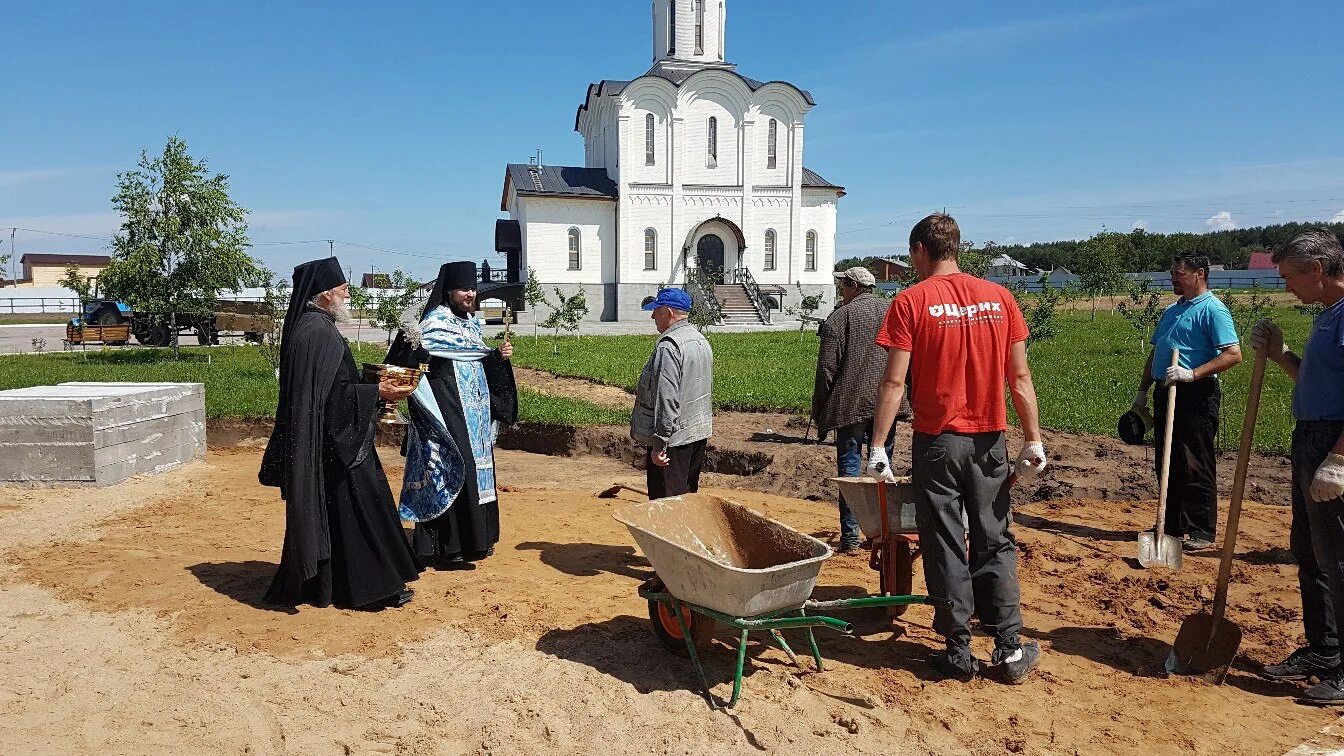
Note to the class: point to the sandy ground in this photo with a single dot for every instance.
(129, 624)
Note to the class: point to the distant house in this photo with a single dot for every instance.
(1262, 261)
(49, 269)
(1003, 265)
(890, 268)
(376, 281)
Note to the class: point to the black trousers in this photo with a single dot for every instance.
(1192, 486)
(679, 477)
(1317, 538)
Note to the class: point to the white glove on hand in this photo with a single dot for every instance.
(1178, 374)
(1329, 481)
(879, 467)
(1140, 400)
(1030, 461)
(1268, 337)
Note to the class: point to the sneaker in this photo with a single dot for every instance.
(1194, 543)
(1301, 665)
(1330, 690)
(1017, 661)
(958, 663)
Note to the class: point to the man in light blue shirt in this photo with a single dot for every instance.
(1200, 328)
(1312, 266)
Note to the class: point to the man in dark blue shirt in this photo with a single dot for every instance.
(1312, 266)
(1200, 328)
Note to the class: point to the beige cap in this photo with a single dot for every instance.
(859, 275)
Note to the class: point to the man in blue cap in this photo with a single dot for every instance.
(674, 404)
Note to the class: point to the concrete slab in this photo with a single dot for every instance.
(99, 433)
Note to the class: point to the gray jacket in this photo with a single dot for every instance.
(850, 364)
(674, 404)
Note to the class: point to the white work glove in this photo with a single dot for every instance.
(1030, 461)
(1178, 374)
(1328, 484)
(1268, 337)
(1140, 401)
(879, 467)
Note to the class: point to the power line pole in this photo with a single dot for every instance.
(13, 258)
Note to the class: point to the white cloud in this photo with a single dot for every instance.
(15, 178)
(1143, 224)
(1339, 217)
(1221, 221)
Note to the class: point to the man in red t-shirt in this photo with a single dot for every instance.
(963, 338)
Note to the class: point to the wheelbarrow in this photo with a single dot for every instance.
(886, 514)
(716, 561)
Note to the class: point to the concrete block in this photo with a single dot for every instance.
(99, 433)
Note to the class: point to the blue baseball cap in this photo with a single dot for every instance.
(677, 299)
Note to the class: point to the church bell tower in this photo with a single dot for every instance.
(689, 33)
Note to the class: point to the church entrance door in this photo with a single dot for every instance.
(709, 251)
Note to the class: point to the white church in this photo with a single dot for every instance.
(691, 164)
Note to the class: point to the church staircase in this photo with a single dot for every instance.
(736, 305)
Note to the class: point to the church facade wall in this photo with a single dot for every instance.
(546, 225)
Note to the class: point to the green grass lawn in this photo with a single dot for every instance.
(239, 382)
(1086, 376)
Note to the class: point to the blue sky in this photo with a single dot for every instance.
(389, 124)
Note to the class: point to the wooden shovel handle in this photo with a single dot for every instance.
(1161, 529)
(1238, 489)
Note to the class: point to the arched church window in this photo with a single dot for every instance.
(648, 139)
(810, 258)
(672, 28)
(699, 27)
(721, 25)
(769, 249)
(771, 146)
(713, 142)
(650, 249)
(574, 249)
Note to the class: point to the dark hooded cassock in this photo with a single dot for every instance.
(457, 356)
(343, 541)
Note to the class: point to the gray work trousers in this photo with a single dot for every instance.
(956, 473)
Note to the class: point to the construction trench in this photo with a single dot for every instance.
(130, 622)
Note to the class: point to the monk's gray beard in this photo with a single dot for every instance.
(341, 314)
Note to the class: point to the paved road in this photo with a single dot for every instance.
(18, 339)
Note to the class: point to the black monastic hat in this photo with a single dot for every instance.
(453, 275)
(310, 279)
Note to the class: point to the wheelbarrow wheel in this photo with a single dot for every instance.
(668, 631)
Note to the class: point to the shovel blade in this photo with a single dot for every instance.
(1196, 655)
(1159, 552)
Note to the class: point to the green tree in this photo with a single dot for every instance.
(972, 261)
(1247, 307)
(1100, 266)
(182, 239)
(1038, 310)
(76, 281)
(807, 304)
(535, 297)
(706, 310)
(566, 315)
(401, 293)
(360, 301)
(1143, 310)
(275, 302)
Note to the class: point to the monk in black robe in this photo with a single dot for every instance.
(469, 392)
(344, 544)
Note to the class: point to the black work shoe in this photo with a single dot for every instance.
(1194, 543)
(1329, 691)
(1301, 665)
(847, 547)
(958, 663)
(1017, 662)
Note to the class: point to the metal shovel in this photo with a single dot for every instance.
(1156, 547)
(1207, 643)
